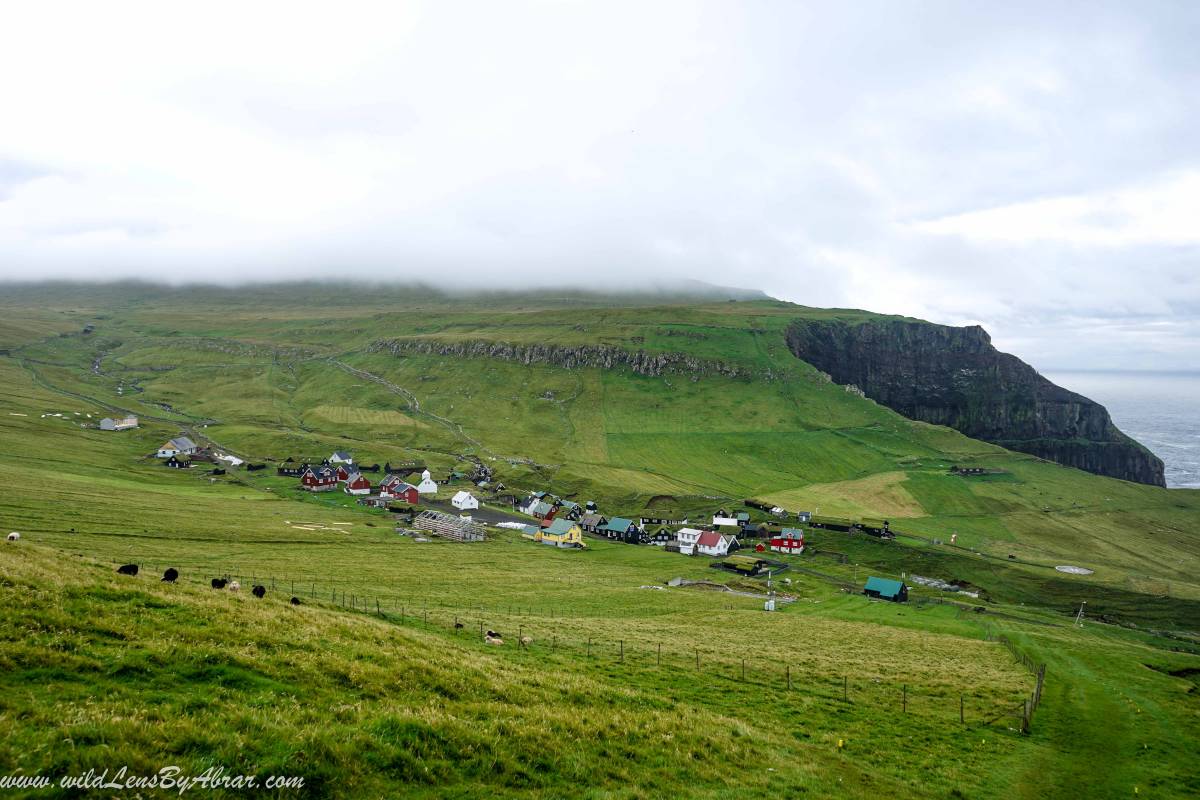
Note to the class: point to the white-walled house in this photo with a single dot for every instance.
(180, 445)
(687, 538)
(712, 543)
(719, 520)
(427, 485)
(118, 424)
(341, 457)
(464, 501)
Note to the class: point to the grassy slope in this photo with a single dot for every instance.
(264, 373)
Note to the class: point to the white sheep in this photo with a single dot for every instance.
(492, 640)
(14, 537)
(526, 641)
(234, 586)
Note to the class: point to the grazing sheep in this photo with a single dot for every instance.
(128, 569)
(526, 641)
(234, 586)
(14, 537)
(259, 591)
(493, 640)
(458, 626)
(219, 583)
(171, 575)
(295, 601)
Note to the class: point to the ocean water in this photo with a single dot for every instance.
(1159, 409)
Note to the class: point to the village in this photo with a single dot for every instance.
(453, 510)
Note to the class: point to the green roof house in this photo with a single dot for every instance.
(884, 589)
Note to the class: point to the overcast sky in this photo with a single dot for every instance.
(1032, 167)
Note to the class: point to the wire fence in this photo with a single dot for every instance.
(550, 633)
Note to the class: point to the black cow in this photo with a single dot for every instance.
(295, 601)
(128, 569)
(171, 575)
(494, 635)
(219, 583)
(259, 591)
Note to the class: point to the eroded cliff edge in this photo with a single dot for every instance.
(955, 377)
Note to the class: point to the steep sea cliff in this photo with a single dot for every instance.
(955, 377)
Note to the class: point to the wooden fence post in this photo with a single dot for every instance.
(659, 662)
(697, 658)
(904, 699)
(960, 709)
(589, 650)
(743, 669)
(845, 688)
(622, 651)
(789, 676)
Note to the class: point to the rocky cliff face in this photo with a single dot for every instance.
(602, 356)
(955, 377)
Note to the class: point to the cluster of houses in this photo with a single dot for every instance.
(562, 523)
(339, 470)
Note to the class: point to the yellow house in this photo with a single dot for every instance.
(559, 533)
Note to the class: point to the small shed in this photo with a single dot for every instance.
(886, 589)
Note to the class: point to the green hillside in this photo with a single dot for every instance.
(367, 687)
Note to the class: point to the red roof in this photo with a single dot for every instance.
(709, 539)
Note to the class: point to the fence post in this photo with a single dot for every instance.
(622, 651)
(789, 676)
(845, 688)
(589, 650)
(904, 699)
(456, 625)
(659, 663)
(697, 658)
(743, 669)
(960, 709)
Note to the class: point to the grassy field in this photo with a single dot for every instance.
(368, 689)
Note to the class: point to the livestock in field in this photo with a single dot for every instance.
(14, 537)
(493, 640)
(259, 591)
(495, 634)
(526, 641)
(219, 583)
(234, 586)
(295, 601)
(128, 569)
(171, 575)
(458, 626)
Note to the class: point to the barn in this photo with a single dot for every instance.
(885, 589)
(180, 445)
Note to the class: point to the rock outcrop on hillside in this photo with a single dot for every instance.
(955, 377)
(570, 357)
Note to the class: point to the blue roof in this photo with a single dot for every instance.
(559, 527)
(618, 524)
(884, 586)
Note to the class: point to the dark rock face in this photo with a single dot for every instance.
(955, 377)
(602, 356)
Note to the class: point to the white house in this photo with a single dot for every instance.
(180, 445)
(464, 501)
(427, 485)
(719, 520)
(123, 424)
(341, 457)
(712, 543)
(687, 538)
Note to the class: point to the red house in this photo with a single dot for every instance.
(357, 483)
(342, 473)
(789, 540)
(321, 479)
(395, 487)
